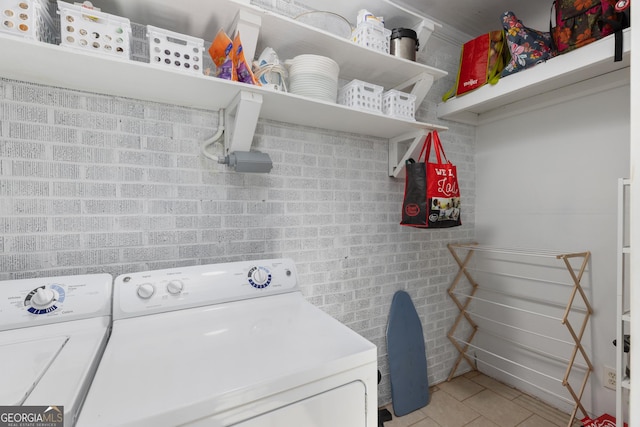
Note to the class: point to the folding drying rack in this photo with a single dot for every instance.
(463, 300)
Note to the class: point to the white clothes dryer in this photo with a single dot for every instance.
(232, 344)
(52, 334)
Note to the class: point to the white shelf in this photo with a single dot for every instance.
(354, 61)
(287, 36)
(395, 15)
(560, 72)
(62, 67)
(203, 18)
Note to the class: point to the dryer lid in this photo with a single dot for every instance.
(181, 365)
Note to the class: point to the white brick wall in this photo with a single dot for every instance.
(92, 183)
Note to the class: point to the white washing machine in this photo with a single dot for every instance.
(232, 344)
(52, 334)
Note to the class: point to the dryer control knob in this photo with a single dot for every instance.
(175, 287)
(146, 290)
(260, 276)
(43, 297)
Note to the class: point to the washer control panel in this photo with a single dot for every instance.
(157, 291)
(27, 302)
(45, 299)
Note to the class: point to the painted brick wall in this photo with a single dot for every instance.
(92, 183)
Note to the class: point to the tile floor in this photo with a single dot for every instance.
(475, 400)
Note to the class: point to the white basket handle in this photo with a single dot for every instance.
(175, 40)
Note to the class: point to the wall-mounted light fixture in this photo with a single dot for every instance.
(248, 161)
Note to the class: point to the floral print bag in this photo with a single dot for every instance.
(527, 46)
(580, 22)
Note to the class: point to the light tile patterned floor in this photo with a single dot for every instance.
(475, 400)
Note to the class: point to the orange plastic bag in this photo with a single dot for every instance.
(221, 51)
(241, 67)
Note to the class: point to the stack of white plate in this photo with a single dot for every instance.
(314, 76)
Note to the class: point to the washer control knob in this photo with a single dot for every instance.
(43, 297)
(175, 287)
(146, 290)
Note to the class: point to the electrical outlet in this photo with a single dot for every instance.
(609, 379)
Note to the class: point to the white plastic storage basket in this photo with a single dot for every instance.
(94, 31)
(372, 36)
(399, 104)
(27, 18)
(361, 96)
(176, 51)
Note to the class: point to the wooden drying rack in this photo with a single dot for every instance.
(576, 334)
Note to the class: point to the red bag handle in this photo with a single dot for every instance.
(437, 145)
(439, 148)
(426, 148)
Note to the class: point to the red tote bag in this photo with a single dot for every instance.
(432, 194)
(481, 61)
